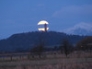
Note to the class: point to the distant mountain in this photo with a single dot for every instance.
(25, 41)
(80, 29)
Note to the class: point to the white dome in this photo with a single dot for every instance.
(42, 22)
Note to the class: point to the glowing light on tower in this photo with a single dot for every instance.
(44, 24)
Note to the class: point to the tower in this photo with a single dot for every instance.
(43, 26)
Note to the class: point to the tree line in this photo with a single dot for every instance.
(65, 47)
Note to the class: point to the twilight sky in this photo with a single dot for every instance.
(18, 16)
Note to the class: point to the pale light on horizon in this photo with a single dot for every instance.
(42, 29)
(42, 22)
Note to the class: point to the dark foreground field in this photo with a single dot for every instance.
(50, 63)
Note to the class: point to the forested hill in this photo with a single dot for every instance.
(25, 41)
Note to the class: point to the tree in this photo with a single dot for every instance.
(38, 50)
(85, 44)
(66, 47)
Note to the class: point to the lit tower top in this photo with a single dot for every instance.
(44, 24)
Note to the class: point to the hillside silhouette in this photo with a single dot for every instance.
(26, 41)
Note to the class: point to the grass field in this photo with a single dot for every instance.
(52, 62)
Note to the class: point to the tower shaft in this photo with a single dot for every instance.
(45, 27)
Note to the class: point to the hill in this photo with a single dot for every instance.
(80, 29)
(25, 41)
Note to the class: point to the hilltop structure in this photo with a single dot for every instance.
(44, 27)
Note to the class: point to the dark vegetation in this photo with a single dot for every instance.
(67, 47)
(32, 41)
(38, 50)
(85, 44)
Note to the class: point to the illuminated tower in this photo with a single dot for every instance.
(43, 26)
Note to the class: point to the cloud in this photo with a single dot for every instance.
(74, 10)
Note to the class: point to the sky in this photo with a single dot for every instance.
(18, 16)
